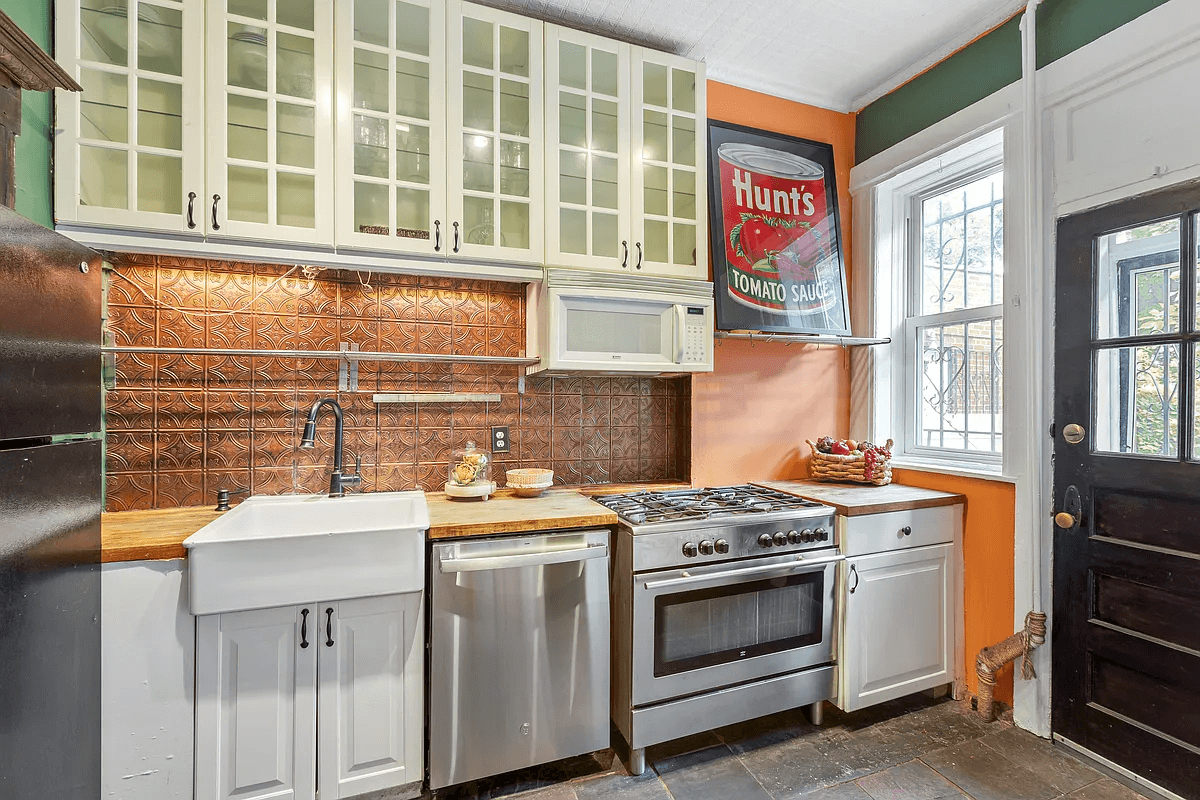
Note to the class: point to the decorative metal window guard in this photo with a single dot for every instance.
(803, 338)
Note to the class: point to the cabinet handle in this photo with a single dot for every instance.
(437, 236)
(639, 261)
(906, 530)
(191, 205)
(329, 627)
(456, 237)
(303, 628)
(625, 257)
(216, 225)
(854, 573)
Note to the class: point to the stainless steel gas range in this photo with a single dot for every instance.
(722, 610)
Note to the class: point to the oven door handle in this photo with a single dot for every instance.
(744, 572)
(541, 559)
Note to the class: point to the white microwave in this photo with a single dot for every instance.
(593, 322)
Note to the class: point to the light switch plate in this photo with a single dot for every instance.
(500, 443)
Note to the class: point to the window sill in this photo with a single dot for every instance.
(975, 471)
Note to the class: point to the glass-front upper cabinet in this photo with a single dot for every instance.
(587, 170)
(130, 152)
(669, 152)
(391, 125)
(495, 134)
(270, 122)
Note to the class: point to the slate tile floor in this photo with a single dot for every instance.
(910, 749)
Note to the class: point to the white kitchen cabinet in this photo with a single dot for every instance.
(265, 677)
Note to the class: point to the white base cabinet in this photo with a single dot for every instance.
(313, 700)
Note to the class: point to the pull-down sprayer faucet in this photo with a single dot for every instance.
(337, 481)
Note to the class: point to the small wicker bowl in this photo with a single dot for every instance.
(529, 482)
(850, 468)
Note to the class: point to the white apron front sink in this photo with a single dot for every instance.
(278, 551)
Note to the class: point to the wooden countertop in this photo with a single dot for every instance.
(852, 500)
(150, 535)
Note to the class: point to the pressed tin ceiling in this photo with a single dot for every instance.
(838, 54)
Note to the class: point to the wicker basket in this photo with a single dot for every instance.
(851, 468)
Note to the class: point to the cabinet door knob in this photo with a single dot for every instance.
(906, 530)
(191, 220)
(216, 226)
(303, 628)
(853, 574)
(329, 627)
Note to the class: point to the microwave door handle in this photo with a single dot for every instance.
(680, 325)
(744, 572)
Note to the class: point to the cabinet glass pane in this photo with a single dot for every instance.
(412, 153)
(605, 241)
(247, 127)
(103, 32)
(296, 204)
(412, 29)
(683, 90)
(514, 168)
(247, 194)
(296, 143)
(412, 213)
(604, 73)
(294, 73)
(654, 84)
(654, 135)
(683, 141)
(572, 231)
(247, 62)
(684, 199)
(296, 13)
(372, 144)
(572, 65)
(103, 177)
(160, 114)
(477, 43)
(514, 108)
(654, 195)
(371, 80)
(369, 19)
(514, 224)
(604, 182)
(572, 179)
(1137, 400)
(477, 101)
(160, 39)
(160, 183)
(412, 88)
(371, 208)
(604, 125)
(656, 241)
(104, 106)
(1196, 399)
(479, 227)
(685, 243)
(1137, 280)
(514, 51)
(255, 9)
(479, 163)
(572, 119)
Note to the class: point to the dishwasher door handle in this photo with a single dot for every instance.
(482, 563)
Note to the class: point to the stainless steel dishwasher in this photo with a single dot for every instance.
(519, 652)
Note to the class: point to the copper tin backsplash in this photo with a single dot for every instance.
(180, 427)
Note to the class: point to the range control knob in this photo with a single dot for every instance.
(722, 546)
(706, 547)
(689, 549)
(780, 538)
(822, 535)
(794, 537)
(764, 540)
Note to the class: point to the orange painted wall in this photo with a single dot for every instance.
(988, 531)
(750, 416)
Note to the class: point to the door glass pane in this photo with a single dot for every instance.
(478, 163)
(371, 80)
(654, 135)
(371, 208)
(1137, 400)
(683, 90)
(369, 16)
(412, 88)
(247, 127)
(514, 108)
(296, 13)
(683, 141)
(104, 106)
(572, 65)
(247, 63)
(604, 182)
(572, 225)
(604, 125)
(962, 386)
(572, 119)
(572, 182)
(160, 183)
(103, 177)
(412, 153)
(1137, 280)
(605, 241)
(655, 191)
(604, 72)
(477, 43)
(296, 200)
(477, 101)
(685, 243)
(412, 29)
(371, 146)
(1195, 401)
(160, 114)
(514, 224)
(514, 168)
(654, 84)
(656, 240)
(514, 51)
(296, 135)
(103, 32)
(247, 194)
(412, 213)
(684, 197)
(255, 9)
(478, 222)
(294, 72)
(963, 246)
(160, 39)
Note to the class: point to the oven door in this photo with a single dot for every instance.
(708, 627)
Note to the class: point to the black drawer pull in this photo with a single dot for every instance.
(329, 627)
(216, 199)
(191, 204)
(906, 530)
(304, 628)
(854, 572)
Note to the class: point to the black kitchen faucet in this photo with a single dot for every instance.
(337, 481)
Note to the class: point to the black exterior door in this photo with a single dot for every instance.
(1126, 629)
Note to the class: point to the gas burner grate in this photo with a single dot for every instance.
(646, 506)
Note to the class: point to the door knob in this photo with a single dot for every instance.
(1065, 521)
(1072, 510)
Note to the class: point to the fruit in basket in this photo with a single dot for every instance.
(853, 445)
(825, 444)
(865, 446)
(839, 449)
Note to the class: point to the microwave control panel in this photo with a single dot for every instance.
(695, 338)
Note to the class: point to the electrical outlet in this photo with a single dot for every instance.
(500, 439)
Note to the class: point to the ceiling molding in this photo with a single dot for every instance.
(780, 90)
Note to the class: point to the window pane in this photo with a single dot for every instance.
(962, 386)
(1137, 400)
(1137, 281)
(962, 246)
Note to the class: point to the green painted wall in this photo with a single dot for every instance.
(35, 199)
(985, 66)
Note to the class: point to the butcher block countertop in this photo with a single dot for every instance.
(852, 500)
(150, 535)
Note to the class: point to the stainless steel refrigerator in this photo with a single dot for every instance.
(50, 492)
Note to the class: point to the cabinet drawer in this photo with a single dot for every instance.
(875, 533)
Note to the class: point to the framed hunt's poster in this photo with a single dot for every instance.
(776, 246)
